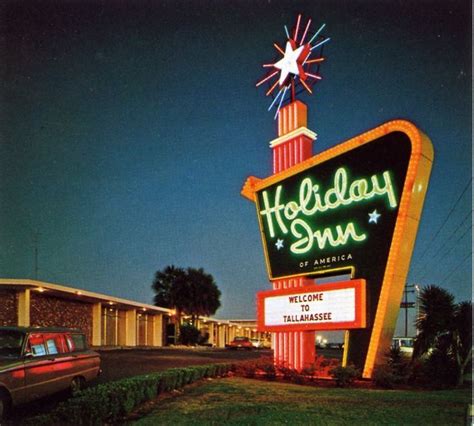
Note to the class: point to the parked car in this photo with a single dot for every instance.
(240, 342)
(334, 345)
(405, 344)
(40, 361)
(256, 343)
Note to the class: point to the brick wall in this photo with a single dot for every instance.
(8, 310)
(50, 311)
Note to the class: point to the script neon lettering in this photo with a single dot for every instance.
(276, 209)
(308, 237)
(311, 200)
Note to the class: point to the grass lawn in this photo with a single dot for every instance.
(238, 401)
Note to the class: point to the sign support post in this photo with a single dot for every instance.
(294, 144)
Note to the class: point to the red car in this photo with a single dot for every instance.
(241, 342)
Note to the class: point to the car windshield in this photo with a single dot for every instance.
(11, 342)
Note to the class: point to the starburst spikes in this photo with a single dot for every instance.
(320, 43)
(306, 86)
(268, 77)
(294, 64)
(315, 76)
(272, 88)
(317, 33)
(279, 48)
(295, 37)
(312, 61)
(281, 101)
(305, 31)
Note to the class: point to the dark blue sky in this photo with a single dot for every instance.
(127, 132)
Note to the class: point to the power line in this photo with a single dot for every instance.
(446, 220)
(444, 246)
(459, 239)
(452, 234)
(456, 267)
(452, 247)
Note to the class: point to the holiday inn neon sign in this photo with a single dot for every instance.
(339, 210)
(311, 201)
(354, 208)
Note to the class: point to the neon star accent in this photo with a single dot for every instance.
(289, 63)
(374, 217)
(294, 72)
(279, 244)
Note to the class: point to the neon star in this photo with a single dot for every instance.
(289, 63)
(294, 68)
(374, 217)
(279, 244)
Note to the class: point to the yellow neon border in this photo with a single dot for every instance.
(403, 239)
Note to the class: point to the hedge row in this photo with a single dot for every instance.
(112, 401)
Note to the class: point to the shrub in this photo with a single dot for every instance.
(203, 339)
(437, 371)
(400, 364)
(288, 373)
(270, 371)
(384, 377)
(189, 334)
(309, 372)
(245, 369)
(298, 378)
(344, 376)
(396, 370)
(112, 401)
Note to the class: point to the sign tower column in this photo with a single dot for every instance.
(293, 145)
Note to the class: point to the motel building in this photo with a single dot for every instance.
(107, 321)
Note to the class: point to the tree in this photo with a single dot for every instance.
(191, 291)
(163, 286)
(445, 328)
(204, 295)
(462, 337)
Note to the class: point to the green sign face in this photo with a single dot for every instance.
(336, 215)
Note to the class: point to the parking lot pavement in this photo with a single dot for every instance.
(330, 353)
(118, 364)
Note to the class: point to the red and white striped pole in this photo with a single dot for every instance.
(294, 350)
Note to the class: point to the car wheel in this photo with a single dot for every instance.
(4, 405)
(77, 384)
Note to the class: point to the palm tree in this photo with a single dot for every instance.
(191, 291)
(462, 337)
(163, 286)
(436, 311)
(444, 326)
(205, 298)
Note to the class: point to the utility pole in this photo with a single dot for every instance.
(406, 305)
(36, 236)
(417, 306)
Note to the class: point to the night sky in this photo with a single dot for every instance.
(128, 129)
